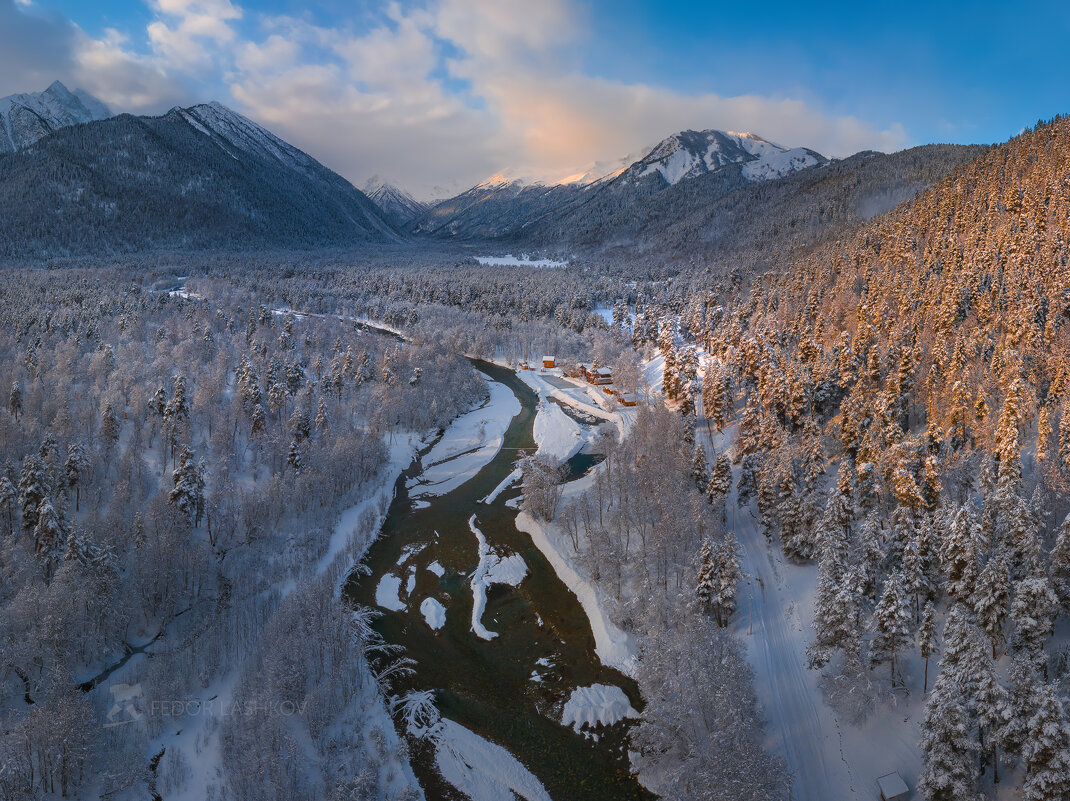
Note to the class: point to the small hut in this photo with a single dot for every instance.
(893, 788)
(548, 362)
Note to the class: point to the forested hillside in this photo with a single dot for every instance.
(173, 469)
(905, 422)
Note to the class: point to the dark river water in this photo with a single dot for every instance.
(484, 685)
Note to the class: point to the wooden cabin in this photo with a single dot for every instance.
(628, 399)
(602, 375)
(585, 369)
(548, 362)
(893, 788)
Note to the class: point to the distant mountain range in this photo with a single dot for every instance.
(75, 180)
(396, 205)
(499, 207)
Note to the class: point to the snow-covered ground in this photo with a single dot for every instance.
(195, 740)
(522, 261)
(346, 530)
(469, 443)
(579, 395)
(599, 704)
(493, 568)
(558, 436)
(482, 770)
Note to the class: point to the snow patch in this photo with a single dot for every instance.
(492, 569)
(387, 593)
(436, 568)
(482, 770)
(558, 436)
(599, 704)
(468, 444)
(778, 164)
(434, 613)
(614, 646)
(410, 550)
(522, 261)
(510, 479)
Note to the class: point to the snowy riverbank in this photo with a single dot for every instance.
(467, 444)
(615, 647)
(559, 437)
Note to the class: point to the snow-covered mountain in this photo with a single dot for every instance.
(196, 178)
(395, 204)
(495, 208)
(238, 135)
(504, 206)
(28, 116)
(689, 154)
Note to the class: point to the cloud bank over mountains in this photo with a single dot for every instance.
(434, 97)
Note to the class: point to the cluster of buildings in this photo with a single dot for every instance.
(599, 376)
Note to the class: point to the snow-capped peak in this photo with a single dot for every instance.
(27, 116)
(689, 154)
(395, 203)
(498, 179)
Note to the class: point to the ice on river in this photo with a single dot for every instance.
(436, 568)
(469, 443)
(603, 704)
(510, 479)
(492, 569)
(434, 613)
(386, 593)
(410, 550)
(522, 261)
(482, 770)
(410, 585)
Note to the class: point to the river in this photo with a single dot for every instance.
(511, 689)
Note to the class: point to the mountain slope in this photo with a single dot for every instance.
(395, 204)
(196, 178)
(495, 208)
(501, 208)
(720, 218)
(26, 117)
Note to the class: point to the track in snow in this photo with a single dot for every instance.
(773, 619)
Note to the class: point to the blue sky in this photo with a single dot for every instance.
(437, 94)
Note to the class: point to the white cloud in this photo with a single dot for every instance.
(374, 100)
(187, 34)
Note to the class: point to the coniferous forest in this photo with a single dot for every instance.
(733, 488)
